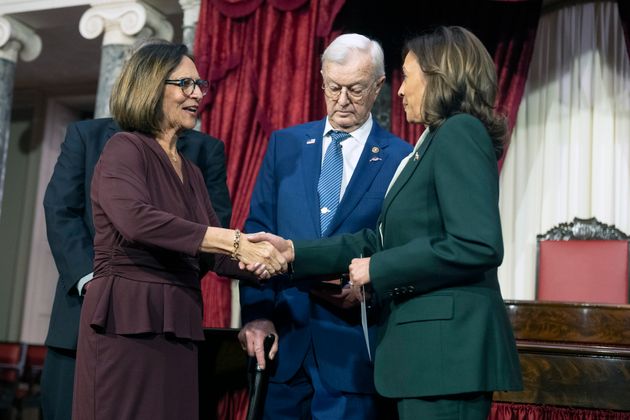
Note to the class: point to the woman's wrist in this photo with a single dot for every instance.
(222, 241)
(236, 244)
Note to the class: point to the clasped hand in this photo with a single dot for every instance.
(359, 268)
(265, 255)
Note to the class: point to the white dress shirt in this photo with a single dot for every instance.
(351, 148)
(403, 162)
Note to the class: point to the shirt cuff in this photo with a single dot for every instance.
(83, 281)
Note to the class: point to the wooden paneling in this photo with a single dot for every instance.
(574, 355)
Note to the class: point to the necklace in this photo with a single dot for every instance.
(172, 155)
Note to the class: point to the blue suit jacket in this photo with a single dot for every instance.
(68, 211)
(285, 202)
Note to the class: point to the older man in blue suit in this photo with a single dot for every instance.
(68, 213)
(322, 367)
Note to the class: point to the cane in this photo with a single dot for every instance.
(258, 379)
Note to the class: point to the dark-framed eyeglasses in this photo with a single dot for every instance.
(188, 84)
(355, 93)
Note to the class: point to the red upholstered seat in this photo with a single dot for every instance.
(12, 358)
(594, 271)
(35, 356)
(28, 394)
(584, 261)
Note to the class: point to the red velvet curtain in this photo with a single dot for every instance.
(512, 55)
(624, 15)
(508, 411)
(508, 30)
(262, 59)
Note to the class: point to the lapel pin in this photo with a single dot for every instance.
(375, 149)
(310, 141)
(416, 156)
(375, 159)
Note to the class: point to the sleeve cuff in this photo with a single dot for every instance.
(83, 281)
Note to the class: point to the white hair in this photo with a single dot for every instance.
(339, 50)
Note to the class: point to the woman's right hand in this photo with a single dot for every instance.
(285, 246)
(261, 258)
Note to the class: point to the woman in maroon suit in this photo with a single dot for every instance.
(137, 357)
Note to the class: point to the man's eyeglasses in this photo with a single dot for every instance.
(355, 93)
(188, 85)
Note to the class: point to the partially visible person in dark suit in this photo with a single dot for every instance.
(446, 342)
(291, 198)
(70, 230)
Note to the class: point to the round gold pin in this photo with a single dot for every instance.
(375, 149)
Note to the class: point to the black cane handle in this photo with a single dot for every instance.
(267, 344)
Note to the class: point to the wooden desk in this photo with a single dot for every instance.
(572, 354)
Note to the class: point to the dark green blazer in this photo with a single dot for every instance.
(447, 330)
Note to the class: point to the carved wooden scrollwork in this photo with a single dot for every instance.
(582, 229)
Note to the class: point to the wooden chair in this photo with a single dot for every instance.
(12, 360)
(583, 261)
(28, 396)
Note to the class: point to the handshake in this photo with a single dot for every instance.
(265, 255)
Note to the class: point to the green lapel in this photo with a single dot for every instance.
(406, 173)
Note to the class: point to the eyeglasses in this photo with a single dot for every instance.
(188, 85)
(355, 93)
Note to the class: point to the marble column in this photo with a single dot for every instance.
(189, 24)
(123, 25)
(16, 40)
(189, 29)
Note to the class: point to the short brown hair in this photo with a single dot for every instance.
(461, 78)
(136, 101)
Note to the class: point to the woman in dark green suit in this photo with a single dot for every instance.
(446, 342)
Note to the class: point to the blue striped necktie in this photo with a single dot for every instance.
(329, 186)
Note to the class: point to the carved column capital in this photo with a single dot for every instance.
(18, 39)
(124, 22)
(191, 11)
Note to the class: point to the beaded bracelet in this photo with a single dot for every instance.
(237, 244)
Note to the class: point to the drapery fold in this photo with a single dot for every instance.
(264, 70)
(241, 8)
(512, 56)
(236, 8)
